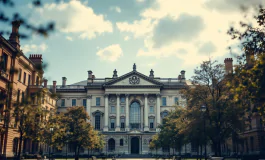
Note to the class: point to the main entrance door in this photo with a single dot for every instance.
(135, 145)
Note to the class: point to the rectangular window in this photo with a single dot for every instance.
(164, 101)
(18, 96)
(25, 76)
(37, 80)
(73, 102)
(84, 102)
(176, 100)
(97, 101)
(19, 74)
(29, 83)
(151, 109)
(122, 109)
(23, 97)
(122, 123)
(112, 123)
(4, 62)
(122, 99)
(97, 122)
(63, 103)
(112, 109)
(151, 121)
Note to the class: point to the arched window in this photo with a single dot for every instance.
(97, 121)
(111, 144)
(135, 115)
(121, 142)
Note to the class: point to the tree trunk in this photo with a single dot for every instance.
(20, 145)
(77, 153)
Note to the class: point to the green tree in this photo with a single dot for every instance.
(249, 73)
(74, 127)
(223, 116)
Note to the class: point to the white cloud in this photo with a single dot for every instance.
(139, 28)
(69, 38)
(126, 38)
(75, 17)
(34, 48)
(169, 38)
(140, 1)
(111, 53)
(116, 9)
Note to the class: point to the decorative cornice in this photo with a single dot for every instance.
(133, 86)
(130, 74)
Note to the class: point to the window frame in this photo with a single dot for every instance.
(151, 111)
(62, 102)
(97, 101)
(73, 101)
(24, 78)
(84, 104)
(164, 101)
(19, 74)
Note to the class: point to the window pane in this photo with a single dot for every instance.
(135, 115)
(97, 121)
(98, 101)
(84, 102)
(151, 109)
(112, 109)
(164, 101)
(29, 83)
(63, 103)
(176, 100)
(73, 102)
(122, 99)
(122, 109)
(25, 75)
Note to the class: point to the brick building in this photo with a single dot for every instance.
(25, 77)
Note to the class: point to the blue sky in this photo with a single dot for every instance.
(102, 35)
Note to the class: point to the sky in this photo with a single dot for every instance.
(102, 35)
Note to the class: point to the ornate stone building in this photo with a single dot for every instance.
(126, 109)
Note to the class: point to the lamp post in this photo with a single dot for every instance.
(51, 130)
(67, 133)
(203, 109)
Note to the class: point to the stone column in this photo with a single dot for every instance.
(127, 113)
(157, 111)
(118, 114)
(106, 113)
(146, 128)
(88, 106)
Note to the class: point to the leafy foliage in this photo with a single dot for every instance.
(73, 127)
(249, 74)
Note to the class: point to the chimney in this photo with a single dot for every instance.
(250, 59)
(228, 65)
(89, 74)
(151, 74)
(182, 75)
(64, 81)
(89, 79)
(115, 74)
(45, 81)
(14, 36)
(36, 59)
(54, 87)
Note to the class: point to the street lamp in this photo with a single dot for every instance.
(203, 109)
(51, 130)
(67, 133)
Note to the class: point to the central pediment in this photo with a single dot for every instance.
(133, 79)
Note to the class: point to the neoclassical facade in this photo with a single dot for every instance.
(127, 109)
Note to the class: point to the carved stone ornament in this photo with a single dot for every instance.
(134, 80)
(112, 100)
(151, 100)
